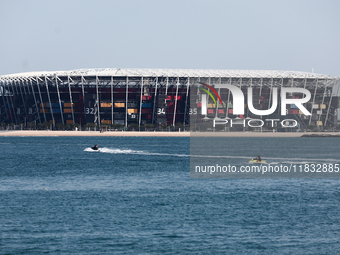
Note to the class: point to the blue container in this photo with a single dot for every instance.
(56, 110)
(146, 105)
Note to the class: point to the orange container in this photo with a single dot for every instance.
(105, 105)
(132, 110)
(68, 104)
(67, 110)
(119, 105)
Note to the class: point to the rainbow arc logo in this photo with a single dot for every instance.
(209, 93)
(204, 100)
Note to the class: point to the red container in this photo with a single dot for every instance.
(145, 110)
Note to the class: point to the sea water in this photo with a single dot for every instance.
(135, 196)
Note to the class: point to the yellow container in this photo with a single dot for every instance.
(132, 110)
(119, 105)
(319, 123)
(211, 105)
(105, 105)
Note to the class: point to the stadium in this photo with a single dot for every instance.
(136, 98)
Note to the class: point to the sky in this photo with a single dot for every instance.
(47, 35)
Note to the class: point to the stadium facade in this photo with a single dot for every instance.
(136, 97)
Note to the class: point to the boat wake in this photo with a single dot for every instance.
(269, 160)
(135, 152)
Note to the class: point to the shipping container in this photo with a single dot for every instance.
(132, 116)
(149, 116)
(44, 110)
(132, 110)
(56, 105)
(119, 105)
(146, 111)
(319, 123)
(319, 112)
(199, 104)
(221, 113)
(68, 104)
(146, 105)
(230, 111)
(67, 110)
(315, 106)
(119, 115)
(294, 111)
(322, 106)
(52, 122)
(211, 112)
(106, 122)
(178, 98)
(132, 104)
(103, 105)
(69, 122)
(146, 97)
(43, 104)
(211, 105)
(56, 110)
(121, 122)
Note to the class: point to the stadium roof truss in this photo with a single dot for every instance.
(22, 83)
(170, 77)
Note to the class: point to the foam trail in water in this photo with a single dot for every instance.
(129, 151)
(282, 160)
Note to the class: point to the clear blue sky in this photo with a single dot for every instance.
(57, 35)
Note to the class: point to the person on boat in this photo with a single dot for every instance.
(95, 147)
(258, 158)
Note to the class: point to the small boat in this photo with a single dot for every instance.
(95, 148)
(255, 160)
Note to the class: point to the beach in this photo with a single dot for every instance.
(160, 134)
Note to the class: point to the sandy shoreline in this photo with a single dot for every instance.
(90, 133)
(156, 134)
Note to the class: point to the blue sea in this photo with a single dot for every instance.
(135, 196)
